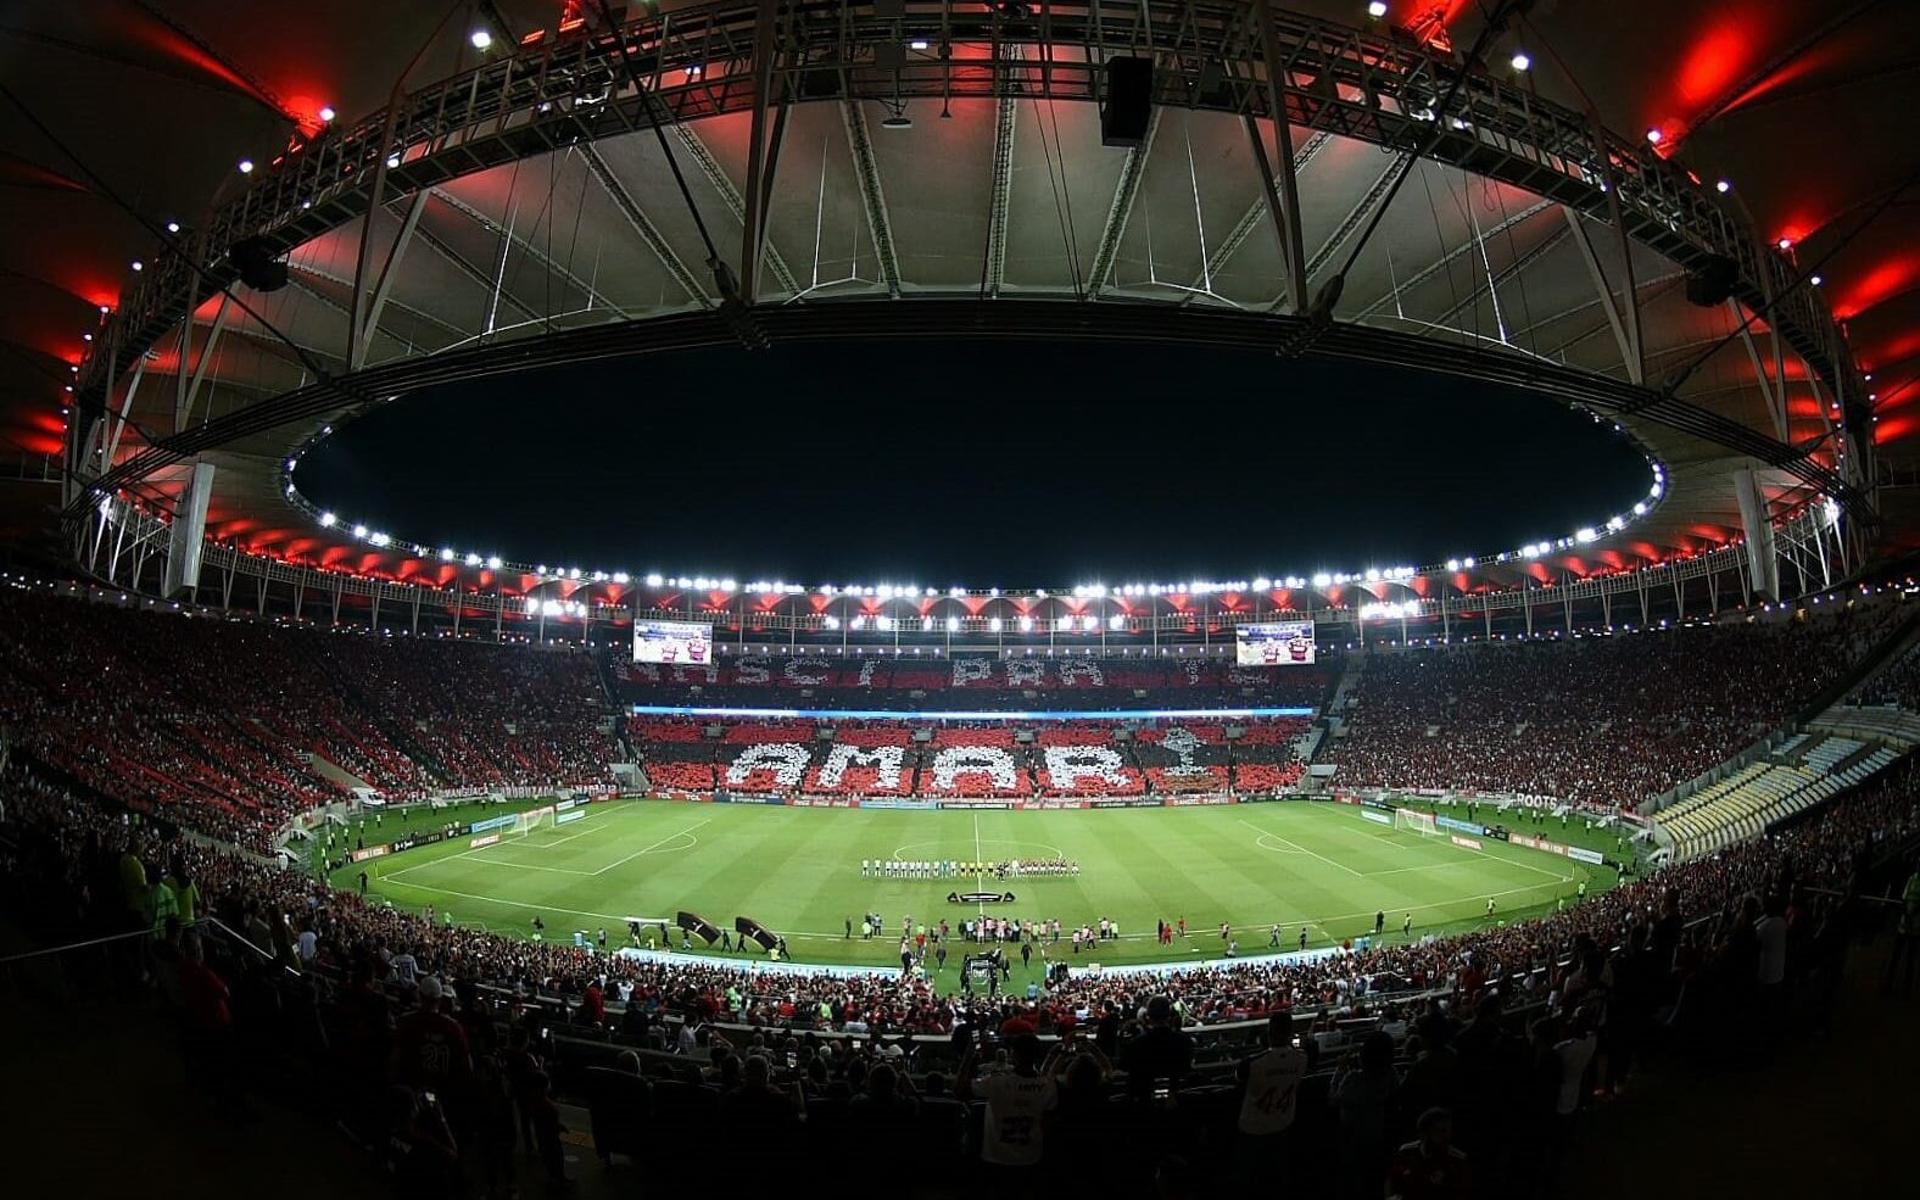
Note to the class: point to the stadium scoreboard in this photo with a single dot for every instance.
(672, 642)
(1274, 644)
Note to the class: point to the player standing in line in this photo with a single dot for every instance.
(1303, 937)
(1406, 926)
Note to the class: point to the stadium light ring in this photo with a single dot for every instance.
(1128, 323)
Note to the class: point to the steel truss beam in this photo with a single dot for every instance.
(1132, 171)
(1358, 83)
(453, 332)
(1449, 258)
(722, 183)
(1268, 208)
(993, 271)
(643, 225)
(1356, 216)
(522, 243)
(872, 198)
(1521, 262)
(458, 262)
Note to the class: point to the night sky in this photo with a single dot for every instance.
(974, 463)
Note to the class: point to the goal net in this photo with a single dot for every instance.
(538, 818)
(1418, 822)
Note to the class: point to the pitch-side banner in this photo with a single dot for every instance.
(1278, 644)
(672, 642)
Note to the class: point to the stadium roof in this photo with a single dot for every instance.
(528, 189)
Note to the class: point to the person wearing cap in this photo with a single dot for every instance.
(429, 1047)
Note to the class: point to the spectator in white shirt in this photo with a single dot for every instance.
(1018, 1101)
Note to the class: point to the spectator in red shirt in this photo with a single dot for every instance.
(593, 1005)
(1429, 1168)
(430, 1047)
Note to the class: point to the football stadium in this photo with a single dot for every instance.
(1310, 598)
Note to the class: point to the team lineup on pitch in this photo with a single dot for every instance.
(1268, 874)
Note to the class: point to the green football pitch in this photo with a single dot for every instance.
(798, 872)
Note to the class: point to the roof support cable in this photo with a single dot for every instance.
(1321, 311)
(732, 308)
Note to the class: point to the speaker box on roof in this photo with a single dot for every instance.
(1123, 122)
(1711, 282)
(259, 269)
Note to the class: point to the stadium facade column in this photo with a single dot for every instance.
(187, 534)
(1763, 564)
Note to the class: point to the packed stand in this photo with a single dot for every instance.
(1708, 959)
(972, 683)
(1898, 684)
(1010, 760)
(215, 722)
(1596, 721)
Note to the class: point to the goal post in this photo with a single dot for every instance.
(533, 819)
(1418, 822)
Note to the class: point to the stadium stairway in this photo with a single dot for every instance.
(335, 774)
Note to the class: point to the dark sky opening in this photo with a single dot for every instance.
(977, 463)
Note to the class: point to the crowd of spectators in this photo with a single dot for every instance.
(1509, 1030)
(1898, 684)
(1596, 721)
(1081, 682)
(1071, 759)
(217, 722)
